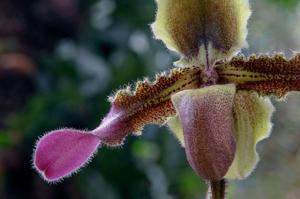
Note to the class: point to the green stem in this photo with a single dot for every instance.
(217, 190)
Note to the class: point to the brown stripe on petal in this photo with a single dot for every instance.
(266, 75)
(147, 103)
(150, 93)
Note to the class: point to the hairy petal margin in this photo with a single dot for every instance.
(62, 152)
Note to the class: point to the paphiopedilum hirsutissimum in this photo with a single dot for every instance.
(216, 103)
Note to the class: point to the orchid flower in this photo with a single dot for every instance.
(216, 103)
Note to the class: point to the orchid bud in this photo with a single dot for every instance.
(200, 29)
(206, 116)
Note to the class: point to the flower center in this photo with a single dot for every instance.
(209, 76)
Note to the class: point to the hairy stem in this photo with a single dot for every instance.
(217, 189)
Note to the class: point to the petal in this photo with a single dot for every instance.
(266, 75)
(252, 115)
(186, 26)
(175, 126)
(148, 103)
(207, 120)
(62, 152)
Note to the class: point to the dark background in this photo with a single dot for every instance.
(60, 59)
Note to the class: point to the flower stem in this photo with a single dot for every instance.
(217, 189)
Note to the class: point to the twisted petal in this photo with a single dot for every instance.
(207, 120)
(186, 26)
(62, 152)
(148, 103)
(252, 115)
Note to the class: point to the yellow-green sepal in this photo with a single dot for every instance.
(176, 128)
(252, 123)
(197, 28)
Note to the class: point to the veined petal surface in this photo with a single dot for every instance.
(252, 122)
(195, 27)
(266, 75)
(148, 103)
(207, 120)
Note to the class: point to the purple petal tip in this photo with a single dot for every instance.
(62, 152)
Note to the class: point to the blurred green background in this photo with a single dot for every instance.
(60, 59)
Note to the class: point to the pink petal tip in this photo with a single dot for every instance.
(62, 152)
